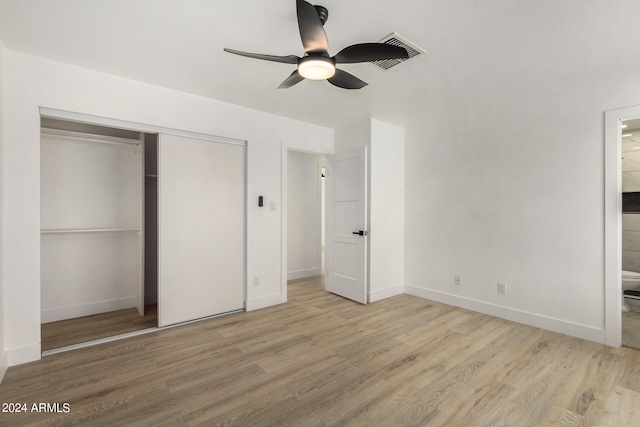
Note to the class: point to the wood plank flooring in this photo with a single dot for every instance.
(89, 328)
(321, 360)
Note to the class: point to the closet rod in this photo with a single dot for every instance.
(88, 137)
(86, 230)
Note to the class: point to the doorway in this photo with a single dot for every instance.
(305, 210)
(630, 166)
(614, 120)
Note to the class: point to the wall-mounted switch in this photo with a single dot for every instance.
(273, 206)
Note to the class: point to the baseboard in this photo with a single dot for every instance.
(264, 302)
(18, 356)
(70, 312)
(386, 293)
(544, 322)
(301, 274)
(4, 364)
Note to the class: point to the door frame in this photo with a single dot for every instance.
(613, 221)
(287, 146)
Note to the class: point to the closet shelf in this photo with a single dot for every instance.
(88, 137)
(86, 230)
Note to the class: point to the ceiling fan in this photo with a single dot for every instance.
(316, 64)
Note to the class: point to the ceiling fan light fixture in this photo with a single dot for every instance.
(316, 67)
(317, 64)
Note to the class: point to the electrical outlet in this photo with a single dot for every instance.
(256, 280)
(458, 280)
(502, 288)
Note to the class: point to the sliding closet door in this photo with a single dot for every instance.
(201, 222)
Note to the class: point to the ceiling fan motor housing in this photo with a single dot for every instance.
(323, 13)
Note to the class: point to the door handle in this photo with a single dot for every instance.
(361, 233)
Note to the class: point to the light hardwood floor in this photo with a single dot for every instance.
(321, 360)
(89, 328)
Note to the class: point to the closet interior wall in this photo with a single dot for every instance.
(150, 219)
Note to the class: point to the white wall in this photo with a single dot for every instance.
(353, 135)
(386, 201)
(3, 322)
(504, 183)
(32, 82)
(386, 211)
(304, 215)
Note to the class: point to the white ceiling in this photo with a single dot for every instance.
(473, 48)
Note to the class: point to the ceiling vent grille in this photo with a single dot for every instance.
(395, 40)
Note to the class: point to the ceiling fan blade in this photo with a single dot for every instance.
(346, 81)
(314, 39)
(366, 52)
(293, 79)
(291, 59)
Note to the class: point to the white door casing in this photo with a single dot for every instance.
(141, 241)
(346, 229)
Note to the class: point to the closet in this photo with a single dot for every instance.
(130, 218)
(91, 214)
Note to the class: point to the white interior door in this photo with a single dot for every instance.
(201, 223)
(346, 230)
